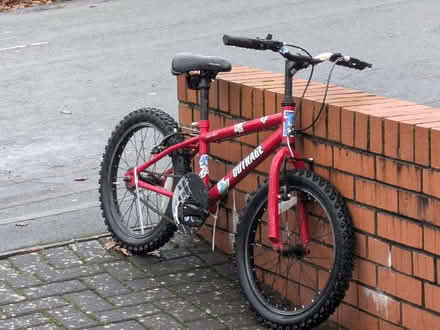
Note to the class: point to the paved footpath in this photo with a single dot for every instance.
(84, 286)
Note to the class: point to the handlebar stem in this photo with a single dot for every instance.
(289, 73)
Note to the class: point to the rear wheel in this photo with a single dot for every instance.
(300, 286)
(138, 227)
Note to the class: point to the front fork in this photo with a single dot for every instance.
(274, 189)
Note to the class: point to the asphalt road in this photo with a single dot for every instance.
(70, 72)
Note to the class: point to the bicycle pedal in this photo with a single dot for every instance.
(190, 201)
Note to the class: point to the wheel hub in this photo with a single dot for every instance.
(297, 251)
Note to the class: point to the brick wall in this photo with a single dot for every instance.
(381, 154)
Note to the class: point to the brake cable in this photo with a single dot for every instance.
(324, 98)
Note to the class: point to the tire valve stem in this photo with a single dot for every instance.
(136, 183)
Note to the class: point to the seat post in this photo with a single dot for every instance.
(204, 95)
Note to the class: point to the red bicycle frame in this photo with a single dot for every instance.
(200, 144)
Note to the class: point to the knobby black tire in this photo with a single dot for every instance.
(344, 242)
(164, 230)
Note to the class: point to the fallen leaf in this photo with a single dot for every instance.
(80, 179)
(155, 253)
(124, 251)
(109, 244)
(114, 246)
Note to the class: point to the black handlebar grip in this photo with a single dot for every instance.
(353, 63)
(358, 64)
(258, 44)
(243, 42)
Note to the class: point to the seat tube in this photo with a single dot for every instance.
(204, 129)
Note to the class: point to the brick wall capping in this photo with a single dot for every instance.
(421, 114)
(251, 79)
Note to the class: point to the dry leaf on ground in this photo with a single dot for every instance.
(111, 244)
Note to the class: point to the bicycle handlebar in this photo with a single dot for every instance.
(279, 46)
(258, 44)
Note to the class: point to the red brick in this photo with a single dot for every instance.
(406, 142)
(321, 153)
(399, 230)
(376, 135)
(196, 114)
(223, 95)
(269, 102)
(351, 295)
(398, 174)
(365, 272)
(185, 114)
(226, 150)
(378, 251)
(431, 240)
(322, 171)
(432, 297)
(216, 120)
(431, 179)
(383, 325)
(249, 183)
(391, 138)
(234, 99)
(401, 260)
(419, 207)
(240, 200)
(246, 102)
(352, 318)
(306, 112)
(379, 304)
(223, 241)
(222, 220)
(347, 127)
(376, 194)
(181, 88)
(362, 217)
(422, 145)
(320, 127)
(217, 169)
(265, 165)
(418, 319)
(257, 103)
(192, 96)
(334, 123)
(213, 95)
(344, 183)
(357, 163)
(423, 266)
(263, 136)
(413, 205)
(435, 147)
(400, 285)
(361, 245)
(361, 131)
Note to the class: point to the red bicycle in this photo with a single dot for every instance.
(294, 243)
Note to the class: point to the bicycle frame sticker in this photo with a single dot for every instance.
(257, 153)
(289, 118)
(223, 186)
(238, 128)
(203, 162)
(264, 119)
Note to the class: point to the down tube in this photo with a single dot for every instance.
(258, 155)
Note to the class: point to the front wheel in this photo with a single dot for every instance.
(299, 286)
